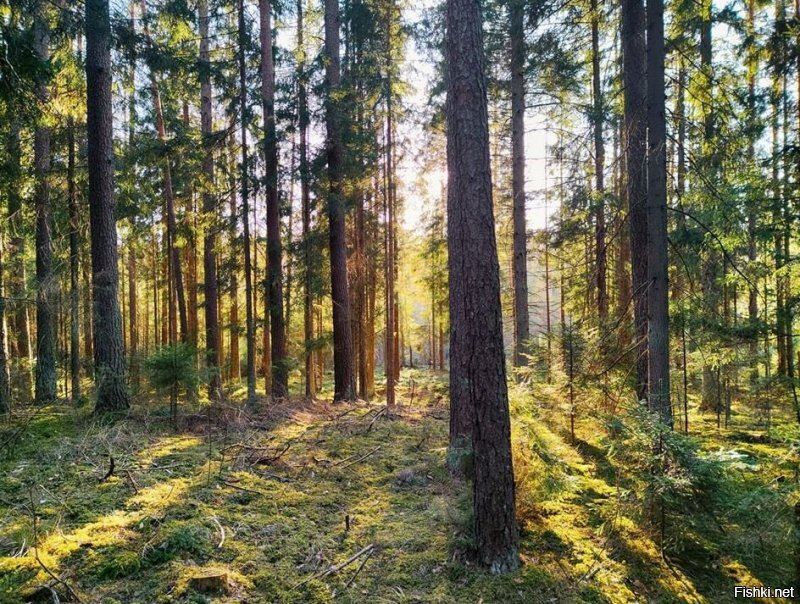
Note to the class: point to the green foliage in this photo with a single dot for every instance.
(669, 463)
(173, 366)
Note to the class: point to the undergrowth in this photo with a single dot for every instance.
(267, 504)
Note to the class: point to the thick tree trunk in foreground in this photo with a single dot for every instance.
(210, 287)
(658, 288)
(280, 372)
(522, 331)
(343, 361)
(635, 86)
(109, 357)
(478, 389)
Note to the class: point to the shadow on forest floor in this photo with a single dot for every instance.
(267, 507)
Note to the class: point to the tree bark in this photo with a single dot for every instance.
(245, 188)
(305, 198)
(343, 365)
(635, 85)
(522, 331)
(478, 389)
(657, 261)
(21, 348)
(210, 286)
(46, 284)
(235, 364)
(74, 289)
(392, 356)
(280, 370)
(5, 376)
(601, 253)
(109, 356)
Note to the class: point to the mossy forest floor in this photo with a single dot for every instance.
(274, 501)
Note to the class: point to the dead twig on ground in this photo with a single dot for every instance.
(132, 482)
(360, 568)
(333, 569)
(270, 460)
(355, 461)
(374, 419)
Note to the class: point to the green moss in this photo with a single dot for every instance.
(15, 574)
(582, 540)
(181, 539)
(114, 563)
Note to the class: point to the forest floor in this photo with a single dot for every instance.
(312, 503)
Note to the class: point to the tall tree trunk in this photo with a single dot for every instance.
(522, 331)
(392, 357)
(305, 198)
(88, 310)
(190, 256)
(343, 366)
(280, 369)
(46, 284)
(133, 336)
(601, 254)
(74, 291)
(210, 285)
(245, 191)
(624, 294)
(21, 348)
(712, 261)
(788, 310)
(234, 328)
(478, 390)
(359, 297)
(109, 357)
(5, 376)
(635, 86)
(752, 202)
(657, 261)
(133, 312)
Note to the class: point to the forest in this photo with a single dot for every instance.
(449, 301)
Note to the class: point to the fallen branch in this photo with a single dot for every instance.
(355, 461)
(332, 570)
(360, 567)
(132, 482)
(374, 419)
(270, 460)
